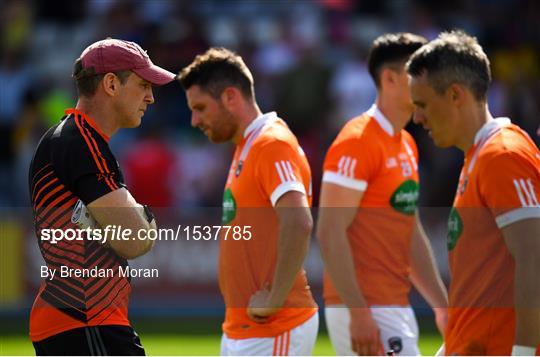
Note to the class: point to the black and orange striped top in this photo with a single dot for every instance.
(73, 161)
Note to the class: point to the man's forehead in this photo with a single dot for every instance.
(196, 92)
(418, 80)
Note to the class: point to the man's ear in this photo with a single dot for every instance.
(110, 84)
(457, 94)
(388, 76)
(230, 97)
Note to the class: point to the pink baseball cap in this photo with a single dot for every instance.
(113, 55)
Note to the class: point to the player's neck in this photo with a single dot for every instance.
(246, 116)
(100, 114)
(472, 122)
(398, 117)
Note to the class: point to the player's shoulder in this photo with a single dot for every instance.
(360, 130)
(66, 133)
(408, 137)
(274, 136)
(510, 141)
(511, 145)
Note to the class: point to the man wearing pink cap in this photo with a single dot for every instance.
(75, 183)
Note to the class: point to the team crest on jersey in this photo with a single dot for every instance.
(229, 207)
(463, 186)
(405, 198)
(391, 162)
(239, 168)
(455, 228)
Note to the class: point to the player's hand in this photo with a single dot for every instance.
(258, 309)
(441, 319)
(365, 335)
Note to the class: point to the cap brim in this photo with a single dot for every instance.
(156, 75)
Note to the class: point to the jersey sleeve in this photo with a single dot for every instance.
(351, 163)
(279, 169)
(87, 166)
(510, 187)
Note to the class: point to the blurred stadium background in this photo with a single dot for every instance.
(308, 60)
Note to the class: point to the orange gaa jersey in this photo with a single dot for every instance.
(267, 163)
(498, 185)
(368, 156)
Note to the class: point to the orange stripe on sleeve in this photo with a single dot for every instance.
(96, 160)
(52, 192)
(39, 172)
(100, 156)
(69, 203)
(54, 180)
(37, 183)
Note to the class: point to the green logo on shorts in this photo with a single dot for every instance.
(455, 228)
(229, 207)
(405, 198)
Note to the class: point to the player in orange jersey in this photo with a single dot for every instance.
(371, 239)
(494, 225)
(269, 307)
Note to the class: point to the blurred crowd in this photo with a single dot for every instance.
(307, 58)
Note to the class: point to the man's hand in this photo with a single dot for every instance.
(259, 309)
(365, 335)
(441, 319)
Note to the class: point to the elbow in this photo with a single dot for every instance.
(305, 225)
(324, 234)
(133, 249)
(300, 225)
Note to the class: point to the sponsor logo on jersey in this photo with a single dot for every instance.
(229, 207)
(455, 228)
(405, 198)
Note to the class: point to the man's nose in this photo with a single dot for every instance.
(418, 118)
(149, 96)
(195, 119)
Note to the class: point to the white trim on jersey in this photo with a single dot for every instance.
(348, 182)
(285, 187)
(383, 122)
(517, 214)
(526, 193)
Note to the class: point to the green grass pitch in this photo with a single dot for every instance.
(167, 344)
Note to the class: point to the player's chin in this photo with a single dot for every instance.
(216, 139)
(135, 122)
(441, 143)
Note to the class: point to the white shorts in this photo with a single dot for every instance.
(398, 327)
(296, 342)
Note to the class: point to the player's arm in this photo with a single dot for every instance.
(120, 209)
(295, 226)
(523, 241)
(425, 275)
(338, 207)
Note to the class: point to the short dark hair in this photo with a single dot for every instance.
(87, 80)
(453, 57)
(392, 50)
(217, 69)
